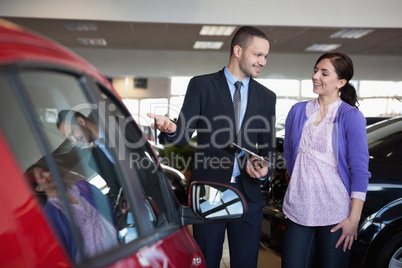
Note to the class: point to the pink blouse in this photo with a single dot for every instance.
(316, 195)
(98, 233)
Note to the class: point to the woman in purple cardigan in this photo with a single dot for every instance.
(92, 213)
(327, 159)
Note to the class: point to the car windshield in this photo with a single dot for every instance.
(384, 132)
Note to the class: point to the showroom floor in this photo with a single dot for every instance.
(266, 258)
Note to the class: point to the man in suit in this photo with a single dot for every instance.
(209, 108)
(84, 132)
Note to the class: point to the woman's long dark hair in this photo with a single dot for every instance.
(30, 176)
(344, 69)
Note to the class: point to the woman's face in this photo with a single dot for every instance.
(325, 79)
(44, 180)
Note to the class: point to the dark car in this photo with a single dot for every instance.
(375, 119)
(379, 242)
(177, 180)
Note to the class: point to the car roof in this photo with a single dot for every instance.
(18, 45)
(383, 123)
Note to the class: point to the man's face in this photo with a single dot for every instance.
(76, 134)
(254, 58)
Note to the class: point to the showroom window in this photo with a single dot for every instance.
(179, 85)
(376, 98)
(175, 106)
(287, 93)
(178, 90)
(380, 98)
(133, 107)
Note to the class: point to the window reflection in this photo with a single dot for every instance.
(93, 212)
(87, 201)
(216, 203)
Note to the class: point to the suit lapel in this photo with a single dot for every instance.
(251, 102)
(221, 86)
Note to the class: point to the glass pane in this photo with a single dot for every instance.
(175, 106)
(282, 109)
(19, 135)
(179, 85)
(215, 203)
(89, 178)
(307, 89)
(377, 89)
(380, 107)
(143, 163)
(385, 143)
(282, 87)
(132, 106)
(398, 87)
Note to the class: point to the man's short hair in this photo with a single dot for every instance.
(69, 115)
(244, 37)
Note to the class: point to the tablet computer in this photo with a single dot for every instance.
(259, 160)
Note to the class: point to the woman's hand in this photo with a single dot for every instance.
(349, 226)
(349, 233)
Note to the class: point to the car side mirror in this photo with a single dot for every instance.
(215, 202)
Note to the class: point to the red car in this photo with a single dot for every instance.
(86, 202)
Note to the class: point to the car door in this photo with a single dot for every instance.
(124, 188)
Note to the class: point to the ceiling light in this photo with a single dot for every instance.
(323, 47)
(207, 45)
(80, 26)
(217, 30)
(92, 41)
(351, 33)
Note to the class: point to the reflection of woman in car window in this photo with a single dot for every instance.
(92, 213)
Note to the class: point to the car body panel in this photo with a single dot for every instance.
(172, 252)
(22, 218)
(14, 40)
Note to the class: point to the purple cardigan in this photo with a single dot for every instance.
(349, 140)
(60, 222)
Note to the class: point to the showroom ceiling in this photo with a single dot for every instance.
(181, 37)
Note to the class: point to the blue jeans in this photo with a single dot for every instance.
(305, 246)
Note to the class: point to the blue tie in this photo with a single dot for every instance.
(237, 104)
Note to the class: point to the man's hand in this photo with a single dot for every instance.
(256, 170)
(162, 123)
(287, 177)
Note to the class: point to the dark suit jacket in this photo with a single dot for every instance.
(106, 169)
(208, 108)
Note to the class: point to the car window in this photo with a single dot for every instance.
(140, 159)
(97, 179)
(385, 142)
